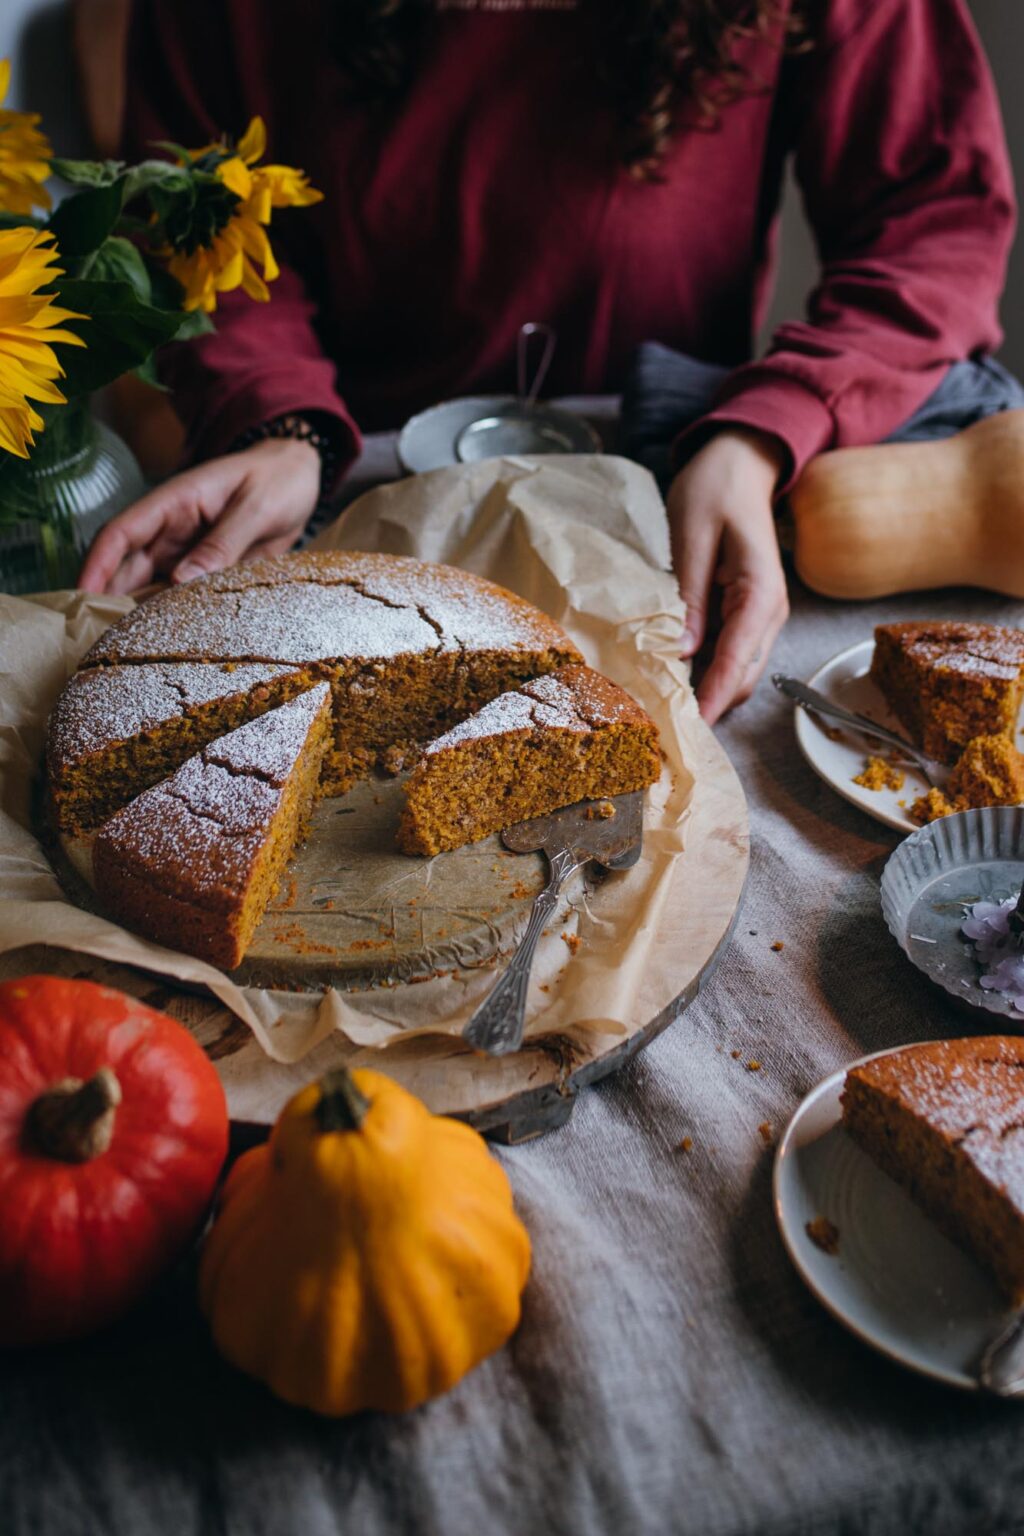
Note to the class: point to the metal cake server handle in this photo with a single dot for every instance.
(1001, 1369)
(570, 837)
(497, 1025)
(810, 699)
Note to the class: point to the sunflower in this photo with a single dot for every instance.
(30, 323)
(222, 238)
(24, 156)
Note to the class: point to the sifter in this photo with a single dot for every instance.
(488, 427)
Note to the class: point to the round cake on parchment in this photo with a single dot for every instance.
(408, 651)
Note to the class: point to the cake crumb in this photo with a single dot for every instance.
(572, 942)
(778, 946)
(824, 1234)
(753, 1066)
(735, 1055)
(685, 1144)
(764, 1130)
(601, 810)
(878, 773)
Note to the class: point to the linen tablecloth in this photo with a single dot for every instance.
(671, 1373)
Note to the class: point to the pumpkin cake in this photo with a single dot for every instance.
(989, 771)
(950, 682)
(409, 648)
(116, 731)
(946, 1121)
(194, 861)
(571, 735)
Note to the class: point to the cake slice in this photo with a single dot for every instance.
(950, 682)
(116, 730)
(571, 735)
(194, 861)
(946, 1121)
(989, 771)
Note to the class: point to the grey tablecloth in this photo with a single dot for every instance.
(671, 1373)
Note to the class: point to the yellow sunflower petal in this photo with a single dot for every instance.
(253, 143)
(289, 188)
(29, 329)
(236, 176)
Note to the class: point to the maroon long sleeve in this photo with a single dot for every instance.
(491, 194)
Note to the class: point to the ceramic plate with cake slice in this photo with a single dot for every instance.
(839, 754)
(941, 1118)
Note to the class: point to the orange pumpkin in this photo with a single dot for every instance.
(369, 1256)
(113, 1130)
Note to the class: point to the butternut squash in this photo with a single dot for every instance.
(905, 517)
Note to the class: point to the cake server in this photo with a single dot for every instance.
(570, 838)
(816, 703)
(1001, 1368)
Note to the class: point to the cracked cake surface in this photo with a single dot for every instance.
(408, 648)
(340, 605)
(567, 736)
(116, 730)
(194, 861)
(946, 1121)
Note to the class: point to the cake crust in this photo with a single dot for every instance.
(194, 861)
(571, 735)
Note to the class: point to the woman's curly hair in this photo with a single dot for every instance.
(663, 58)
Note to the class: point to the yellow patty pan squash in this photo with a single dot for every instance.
(368, 1255)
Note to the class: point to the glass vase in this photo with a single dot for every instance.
(80, 475)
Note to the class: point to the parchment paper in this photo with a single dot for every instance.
(582, 537)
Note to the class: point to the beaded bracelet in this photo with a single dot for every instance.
(297, 429)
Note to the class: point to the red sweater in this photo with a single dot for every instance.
(492, 194)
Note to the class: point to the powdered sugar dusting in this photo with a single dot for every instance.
(511, 712)
(970, 650)
(329, 606)
(270, 745)
(970, 1091)
(296, 622)
(574, 698)
(110, 704)
(585, 692)
(199, 830)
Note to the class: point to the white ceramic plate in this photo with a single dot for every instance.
(894, 1281)
(846, 680)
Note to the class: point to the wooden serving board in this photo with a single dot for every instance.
(353, 912)
(509, 1098)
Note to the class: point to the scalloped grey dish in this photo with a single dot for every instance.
(933, 876)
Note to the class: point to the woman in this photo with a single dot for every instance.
(613, 170)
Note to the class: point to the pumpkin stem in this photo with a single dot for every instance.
(74, 1121)
(342, 1105)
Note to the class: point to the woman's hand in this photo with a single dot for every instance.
(246, 504)
(723, 536)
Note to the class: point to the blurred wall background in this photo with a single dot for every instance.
(36, 34)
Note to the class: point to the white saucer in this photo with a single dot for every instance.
(894, 1281)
